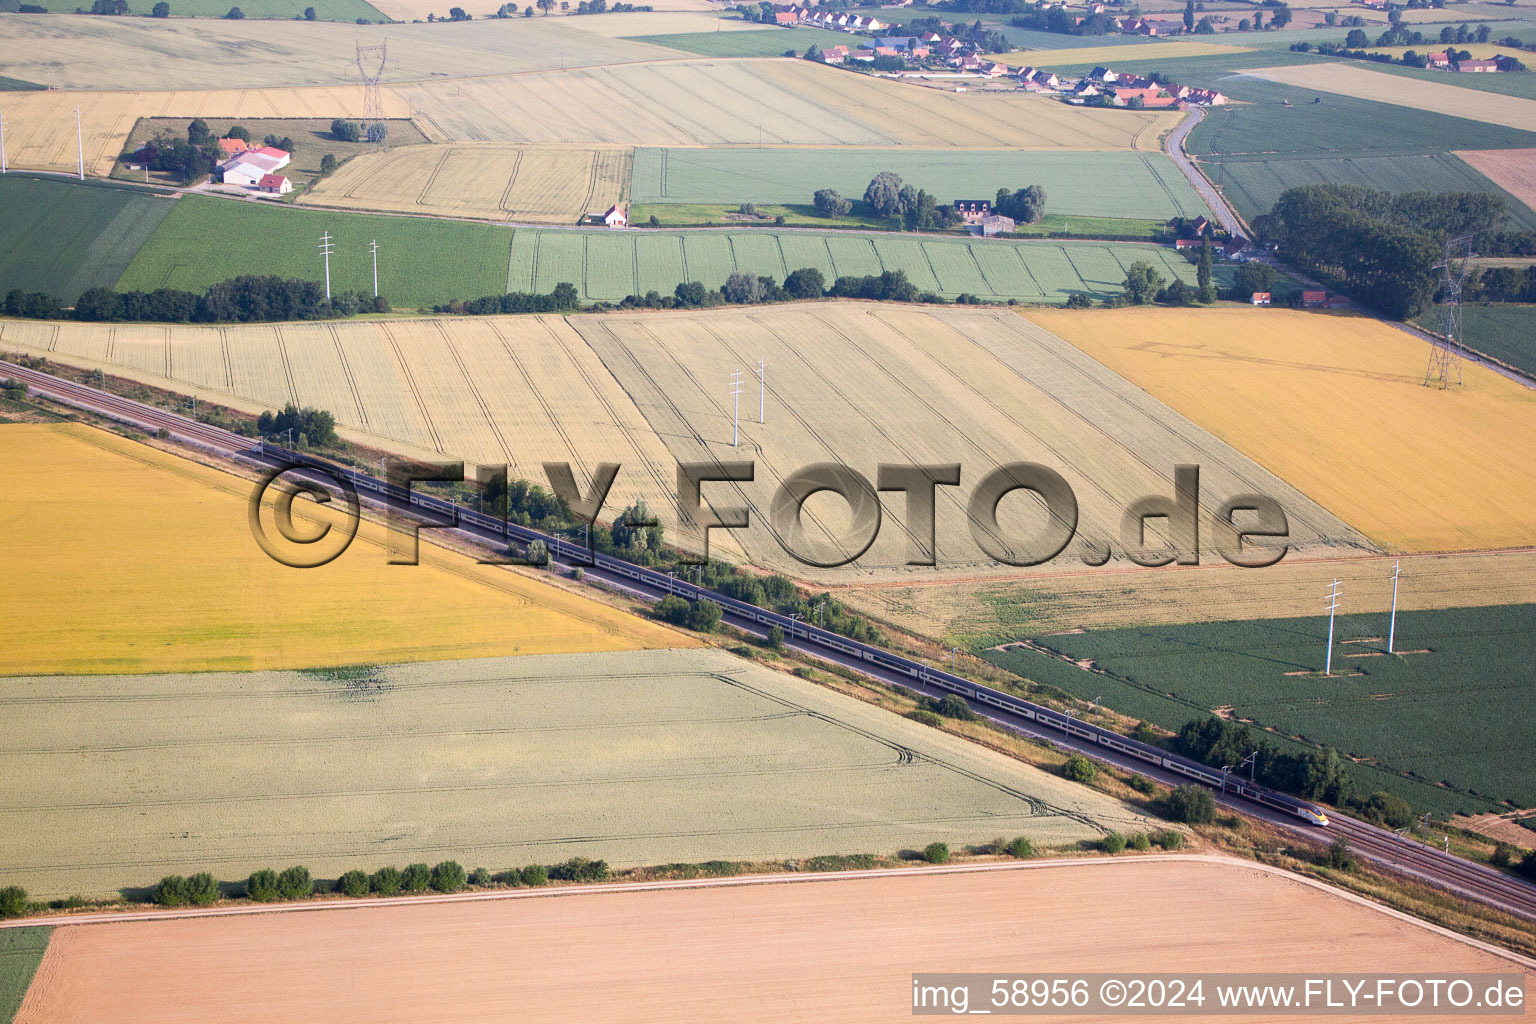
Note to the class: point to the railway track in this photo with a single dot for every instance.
(1406, 856)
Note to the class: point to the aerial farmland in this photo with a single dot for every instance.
(714, 510)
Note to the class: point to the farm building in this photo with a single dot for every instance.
(616, 216)
(249, 167)
(1489, 65)
(233, 147)
(1314, 299)
(996, 224)
(1261, 298)
(277, 184)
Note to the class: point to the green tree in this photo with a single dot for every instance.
(198, 134)
(327, 164)
(1339, 855)
(691, 293)
(952, 705)
(1251, 277)
(239, 132)
(346, 131)
(1020, 848)
(170, 891)
(203, 889)
(1141, 842)
(235, 14)
(160, 10)
(1079, 769)
(295, 883)
(480, 877)
(1189, 15)
(1142, 283)
(386, 881)
(884, 194)
(262, 886)
(1357, 39)
(13, 901)
(416, 878)
(1203, 274)
(1027, 205)
(743, 288)
(309, 14)
(1079, 300)
(1191, 803)
(805, 283)
(936, 853)
(1206, 27)
(1113, 843)
(449, 876)
(534, 875)
(830, 203)
(704, 616)
(353, 883)
(1170, 840)
(775, 637)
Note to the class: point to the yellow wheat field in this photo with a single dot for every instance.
(126, 559)
(1336, 406)
(771, 100)
(1348, 80)
(548, 184)
(40, 126)
(178, 53)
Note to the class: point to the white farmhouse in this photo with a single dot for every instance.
(249, 167)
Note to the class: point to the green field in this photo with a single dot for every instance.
(63, 237)
(1117, 185)
(1448, 729)
(1339, 125)
(16, 85)
(804, 215)
(1253, 183)
(640, 757)
(607, 266)
(760, 43)
(421, 262)
(21, 950)
(1507, 332)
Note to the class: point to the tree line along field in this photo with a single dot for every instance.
(549, 184)
(132, 53)
(177, 583)
(63, 239)
(421, 261)
(748, 101)
(606, 266)
(1253, 183)
(1123, 185)
(646, 758)
(1336, 405)
(40, 126)
(647, 391)
(348, 11)
(1442, 710)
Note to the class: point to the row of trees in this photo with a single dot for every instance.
(250, 299)
(309, 426)
(355, 131)
(1374, 246)
(1315, 775)
(888, 196)
(562, 298)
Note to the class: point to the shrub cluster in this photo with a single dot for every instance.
(702, 615)
(247, 299)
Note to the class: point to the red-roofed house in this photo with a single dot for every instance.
(1439, 59)
(277, 184)
(1260, 298)
(1491, 64)
(789, 17)
(1313, 300)
(233, 147)
(249, 167)
(616, 216)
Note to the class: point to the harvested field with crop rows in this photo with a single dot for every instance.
(1511, 169)
(759, 101)
(1336, 406)
(149, 565)
(639, 758)
(547, 184)
(981, 388)
(845, 947)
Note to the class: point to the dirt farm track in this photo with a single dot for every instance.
(637, 956)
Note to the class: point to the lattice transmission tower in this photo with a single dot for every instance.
(1445, 356)
(370, 64)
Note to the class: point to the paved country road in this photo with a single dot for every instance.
(1225, 215)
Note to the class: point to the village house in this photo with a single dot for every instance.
(1489, 65)
(1105, 75)
(1194, 244)
(1203, 97)
(616, 216)
(834, 54)
(972, 211)
(276, 184)
(233, 147)
(1314, 299)
(1439, 59)
(1261, 298)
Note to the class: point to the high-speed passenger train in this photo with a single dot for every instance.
(579, 554)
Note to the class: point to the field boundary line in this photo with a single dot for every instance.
(474, 389)
(346, 369)
(282, 354)
(506, 193)
(788, 877)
